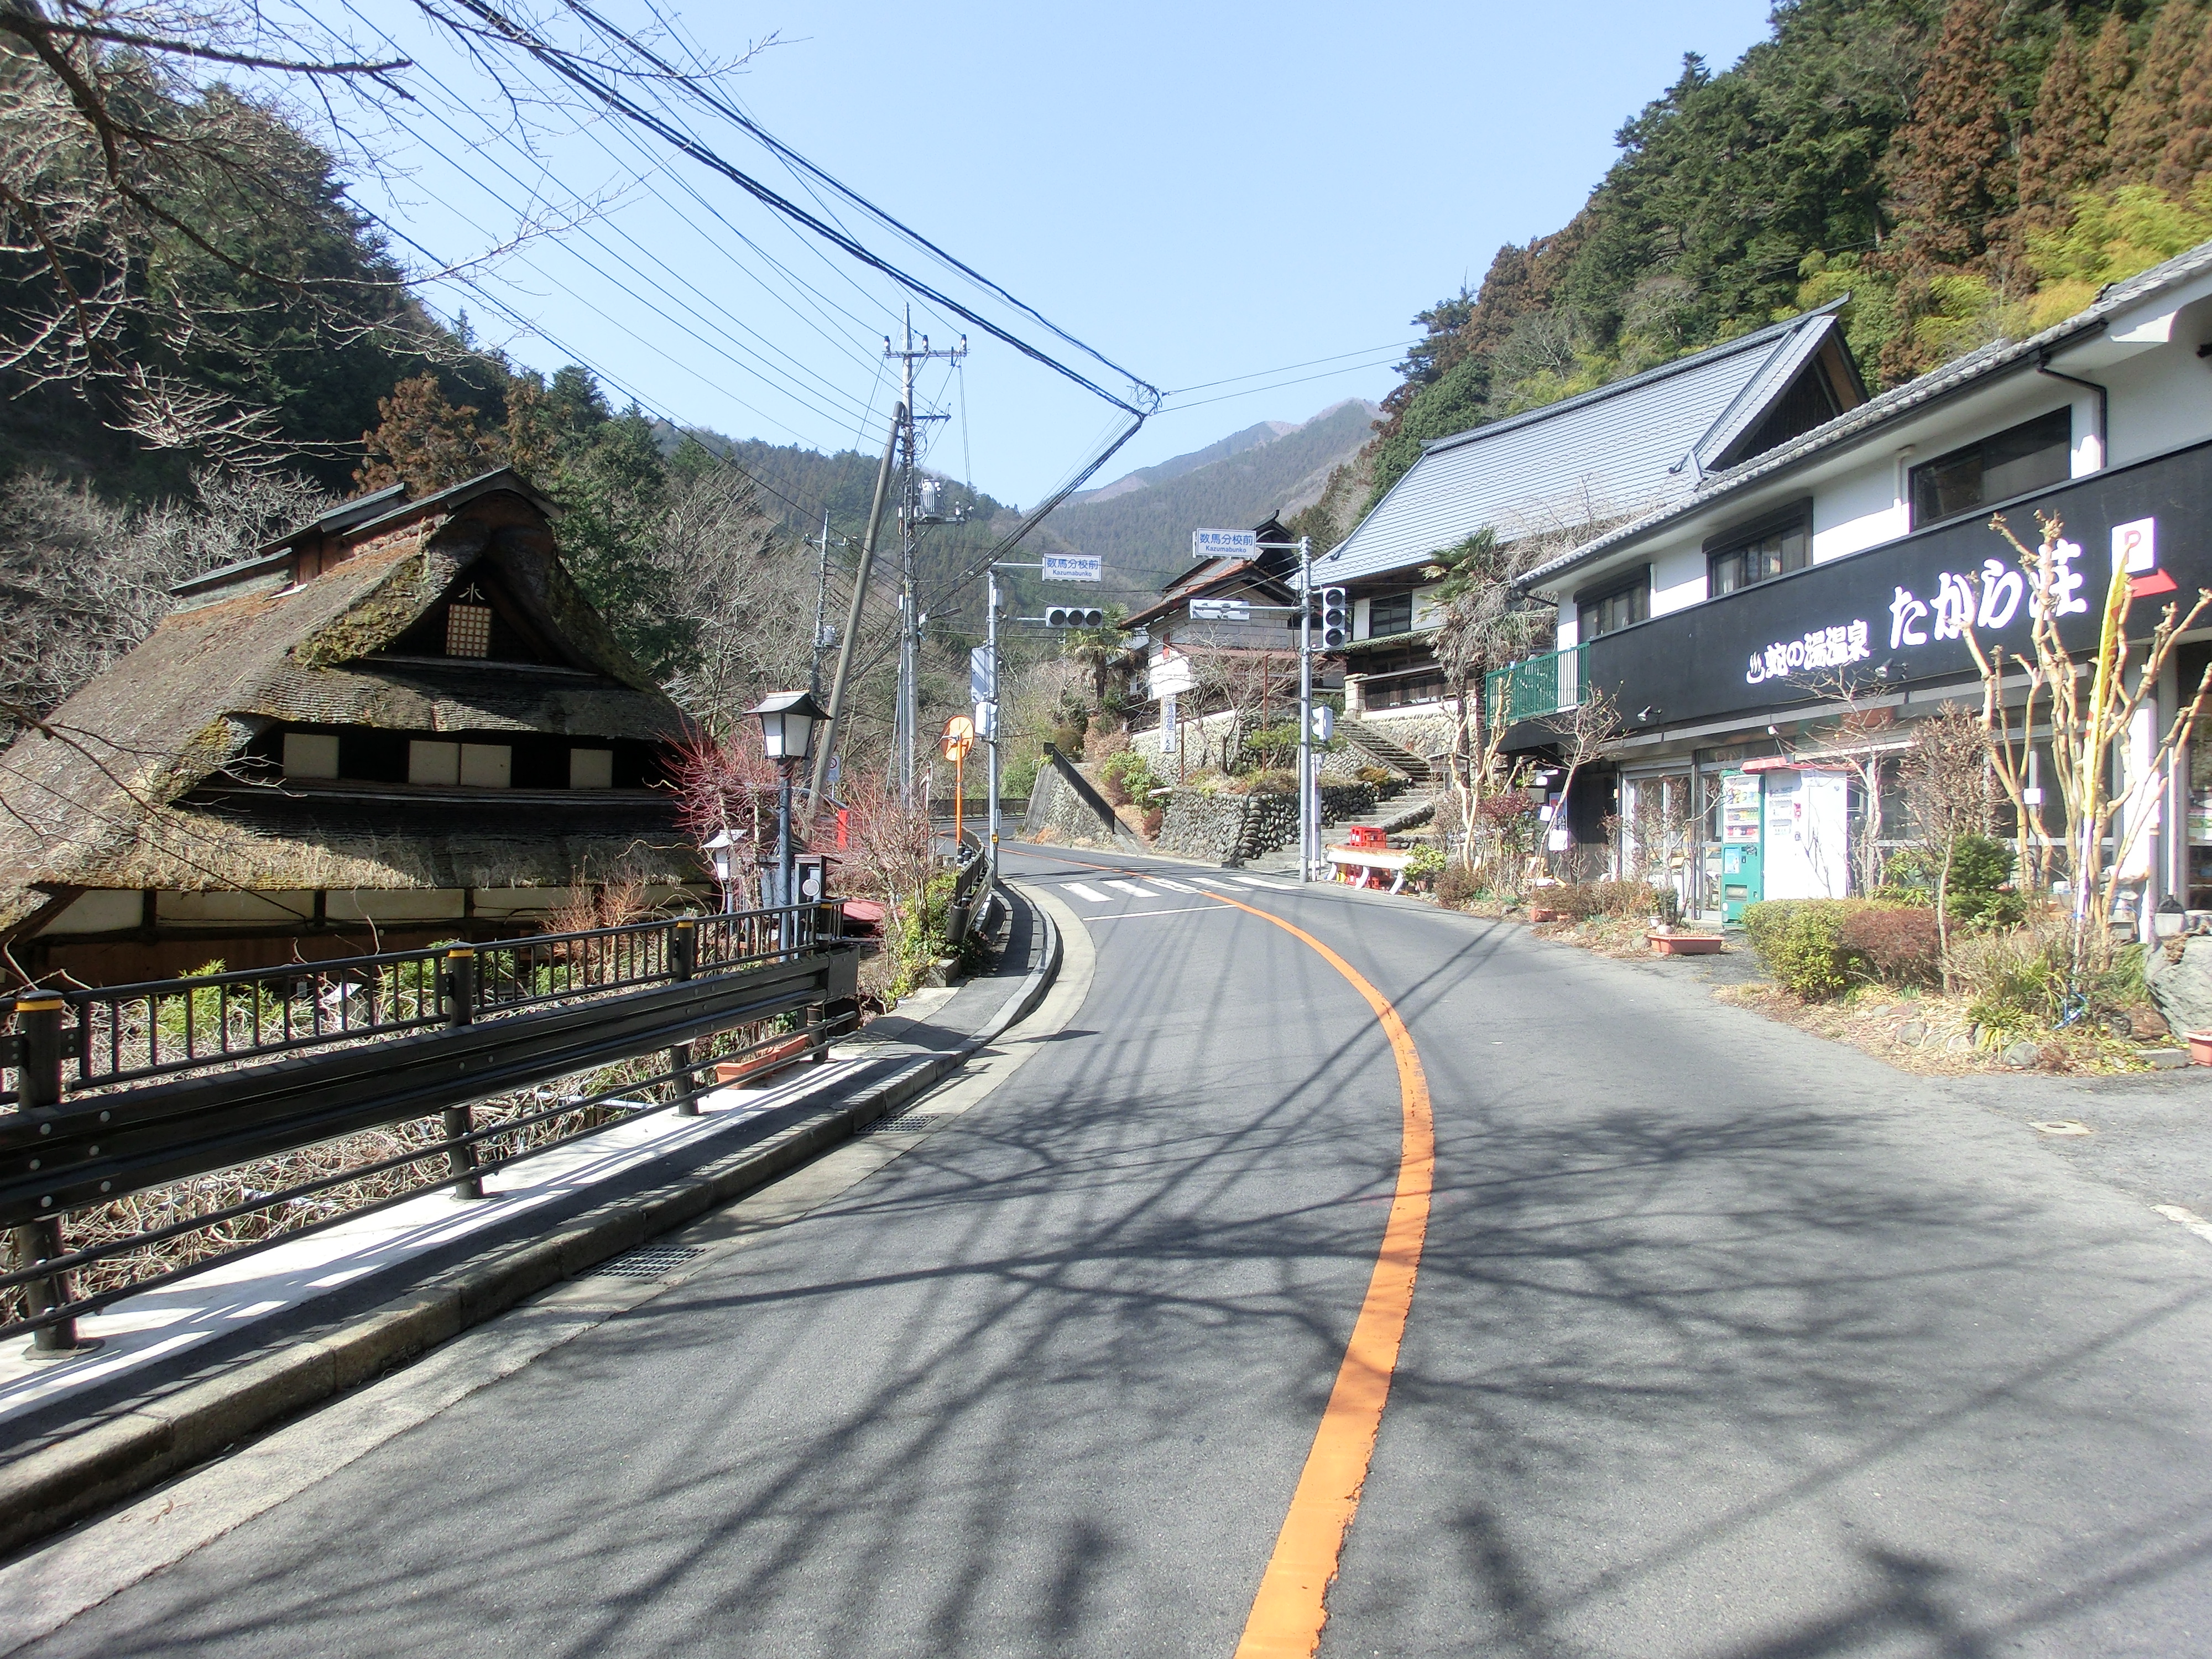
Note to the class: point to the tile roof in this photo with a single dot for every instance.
(1895, 404)
(1617, 450)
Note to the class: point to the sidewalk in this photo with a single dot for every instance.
(187, 1369)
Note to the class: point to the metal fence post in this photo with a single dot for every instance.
(39, 1089)
(460, 1010)
(683, 953)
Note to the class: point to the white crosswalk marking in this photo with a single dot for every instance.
(1271, 886)
(1132, 888)
(1090, 893)
(1172, 886)
(1208, 881)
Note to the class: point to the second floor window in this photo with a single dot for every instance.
(1392, 616)
(1614, 609)
(2031, 456)
(1761, 557)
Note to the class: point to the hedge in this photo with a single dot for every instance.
(1818, 948)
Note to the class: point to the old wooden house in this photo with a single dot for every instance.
(402, 723)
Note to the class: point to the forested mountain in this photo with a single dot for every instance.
(1141, 524)
(1963, 169)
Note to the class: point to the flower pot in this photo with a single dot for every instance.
(1684, 944)
(2200, 1047)
(1540, 913)
(754, 1067)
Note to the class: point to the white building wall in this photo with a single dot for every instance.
(1860, 509)
(1678, 577)
(2161, 399)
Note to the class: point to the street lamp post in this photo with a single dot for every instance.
(789, 719)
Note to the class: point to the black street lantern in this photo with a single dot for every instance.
(787, 721)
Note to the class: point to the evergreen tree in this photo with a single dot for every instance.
(2188, 155)
(2143, 119)
(1950, 170)
(2110, 67)
(423, 441)
(2063, 149)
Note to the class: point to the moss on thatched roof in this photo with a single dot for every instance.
(84, 801)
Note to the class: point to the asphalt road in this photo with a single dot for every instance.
(1726, 1342)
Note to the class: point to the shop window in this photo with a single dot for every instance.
(1392, 616)
(1757, 554)
(310, 754)
(1615, 608)
(2033, 455)
(591, 769)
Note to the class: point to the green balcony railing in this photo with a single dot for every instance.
(1541, 685)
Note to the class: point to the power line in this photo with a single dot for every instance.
(591, 82)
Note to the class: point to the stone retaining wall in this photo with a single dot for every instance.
(1231, 829)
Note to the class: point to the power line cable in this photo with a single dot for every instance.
(592, 82)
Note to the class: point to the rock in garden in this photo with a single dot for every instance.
(1913, 1031)
(2023, 1055)
(2180, 981)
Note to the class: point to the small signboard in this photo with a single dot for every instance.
(1223, 543)
(980, 676)
(1073, 567)
(1170, 673)
(1235, 611)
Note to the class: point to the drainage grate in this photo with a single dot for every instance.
(650, 1263)
(906, 1123)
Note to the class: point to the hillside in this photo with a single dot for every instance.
(1141, 524)
(1963, 169)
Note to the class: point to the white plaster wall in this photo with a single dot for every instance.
(1859, 509)
(2161, 399)
(1359, 613)
(1678, 577)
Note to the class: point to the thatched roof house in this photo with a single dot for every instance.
(403, 722)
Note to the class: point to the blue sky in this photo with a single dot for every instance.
(1198, 191)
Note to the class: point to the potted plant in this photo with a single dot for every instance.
(2200, 1047)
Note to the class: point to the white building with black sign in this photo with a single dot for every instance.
(1840, 572)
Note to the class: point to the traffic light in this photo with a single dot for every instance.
(1335, 619)
(1074, 616)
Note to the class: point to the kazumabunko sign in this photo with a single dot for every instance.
(1906, 607)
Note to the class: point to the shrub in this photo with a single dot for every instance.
(1068, 739)
(2014, 976)
(1897, 942)
(1624, 899)
(1154, 817)
(1457, 885)
(1271, 783)
(1125, 777)
(1800, 942)
(1267, 747)
(1381, 776)
(1426, 864)
(1980, 894)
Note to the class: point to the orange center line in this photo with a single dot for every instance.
(1291, 1605)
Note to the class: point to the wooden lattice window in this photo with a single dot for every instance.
(468, 625)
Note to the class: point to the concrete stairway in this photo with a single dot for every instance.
(1387, 752)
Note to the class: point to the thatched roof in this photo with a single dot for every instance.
(98, 799)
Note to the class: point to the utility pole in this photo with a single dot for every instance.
(908, 714)
(1308, 806)
(989, 722)
(837, 686)
(821, 612)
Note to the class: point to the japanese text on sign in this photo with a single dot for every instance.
(1073, 567)
(1223, 544)
(1992, 598)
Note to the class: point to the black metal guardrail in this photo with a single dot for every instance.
(973, 865)
(403, 1035)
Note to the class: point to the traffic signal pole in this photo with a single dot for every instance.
(990, 732)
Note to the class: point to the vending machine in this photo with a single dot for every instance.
(1742, 881)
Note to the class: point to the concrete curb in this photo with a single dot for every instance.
(123, 1452)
